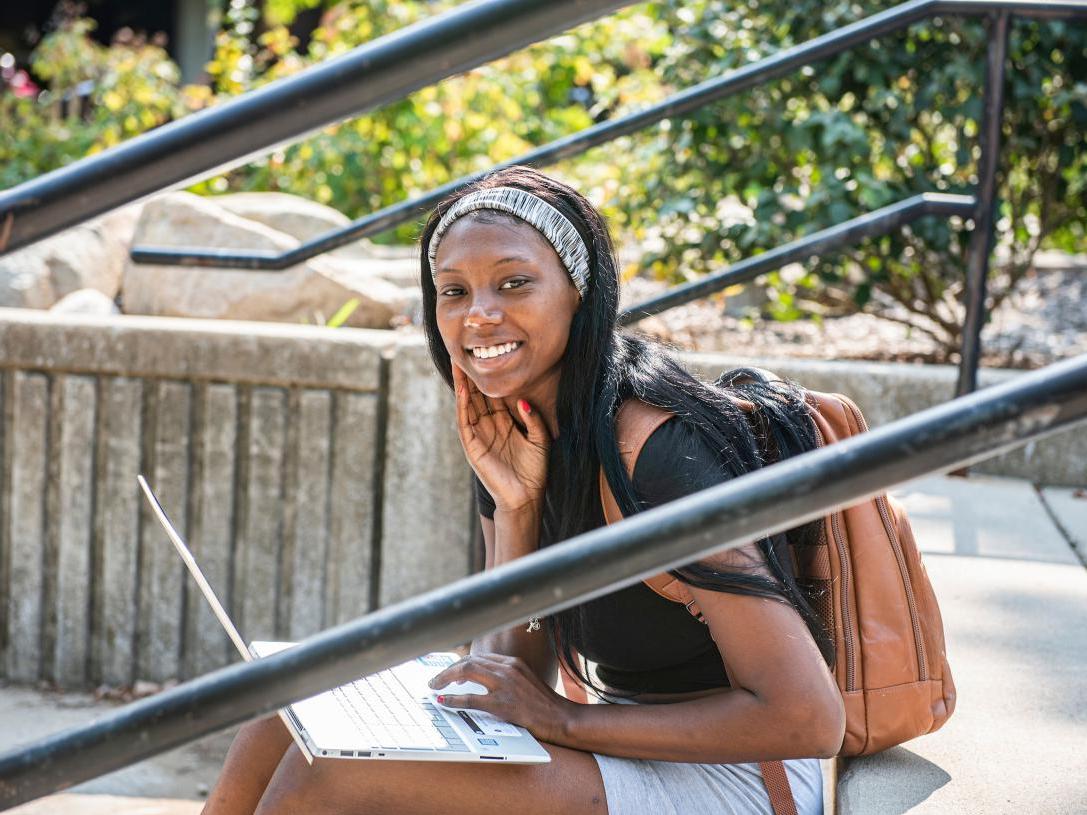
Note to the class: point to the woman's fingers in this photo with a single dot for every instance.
(535, 427)
(486, 669)
(477, 400)
(476, 701)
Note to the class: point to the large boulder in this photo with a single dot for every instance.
(309, 292)
(304, 219)
(89, 256)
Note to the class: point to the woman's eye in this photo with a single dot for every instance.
(452, 291)
(516, 283)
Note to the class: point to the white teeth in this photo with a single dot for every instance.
(487, 352)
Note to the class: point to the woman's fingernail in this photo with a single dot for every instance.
(441, 700)
(525, 407)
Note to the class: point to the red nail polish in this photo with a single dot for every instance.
(525, 406)
(441, 700)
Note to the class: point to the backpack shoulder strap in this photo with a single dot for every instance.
(635, 422)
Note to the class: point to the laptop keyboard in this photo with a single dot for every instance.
(390, 717)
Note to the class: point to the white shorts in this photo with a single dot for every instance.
(638, 786)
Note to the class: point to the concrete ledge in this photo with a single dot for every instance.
(199, 350)
(889, 391)
(1069, 510)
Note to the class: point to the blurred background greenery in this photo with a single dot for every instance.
(880, 123)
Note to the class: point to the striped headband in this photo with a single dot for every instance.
(531, 209)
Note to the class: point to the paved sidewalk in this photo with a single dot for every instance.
(1013, 590)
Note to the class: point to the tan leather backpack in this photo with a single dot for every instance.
(866, 581)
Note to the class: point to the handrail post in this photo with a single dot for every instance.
(981, 240)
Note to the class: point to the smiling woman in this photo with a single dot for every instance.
(520, 294)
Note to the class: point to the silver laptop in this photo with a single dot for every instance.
(392, 714)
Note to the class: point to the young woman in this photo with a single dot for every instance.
(520, 293)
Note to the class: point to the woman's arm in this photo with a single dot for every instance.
(510, 461)
(783, 702)
(508, 537)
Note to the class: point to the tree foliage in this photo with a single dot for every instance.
(877, 124)
(439, 133)
(96, 97)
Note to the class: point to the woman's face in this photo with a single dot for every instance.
(504, 307)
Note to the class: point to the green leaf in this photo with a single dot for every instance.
(342, 313)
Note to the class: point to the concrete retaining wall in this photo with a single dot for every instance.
(885, 392)
(270, 448)
(316, 473)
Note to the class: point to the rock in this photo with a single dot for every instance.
(307, 292)
(86, 301)
(304, 219)
(295, 216)
(89, 256)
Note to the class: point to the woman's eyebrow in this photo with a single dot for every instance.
(499, 262)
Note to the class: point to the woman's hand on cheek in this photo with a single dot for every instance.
(514, 693)
(511, 462)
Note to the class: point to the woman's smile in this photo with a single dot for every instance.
(494, 352)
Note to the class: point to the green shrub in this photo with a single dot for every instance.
(877, 124)
(133, 86)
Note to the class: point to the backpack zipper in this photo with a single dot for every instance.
(907, 584)
(847, 572)
(847, 620)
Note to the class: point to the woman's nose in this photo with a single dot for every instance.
(482, 312)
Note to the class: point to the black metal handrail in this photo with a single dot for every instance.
(766, 501)
(373, 74)
(873, 224)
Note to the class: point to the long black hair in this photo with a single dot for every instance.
(748, 422)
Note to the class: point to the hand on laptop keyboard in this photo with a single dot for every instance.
(458, 688)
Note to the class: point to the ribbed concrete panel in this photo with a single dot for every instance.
(118, 514)
(306, 557)
(29, 449)
(211, 525)
(428, 500)
(74, 451)
(256, 577)
(350, 561)
(161, 572)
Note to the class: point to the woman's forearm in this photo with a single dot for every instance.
(729, 727)
(516, 535)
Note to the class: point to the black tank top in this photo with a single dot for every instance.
(640, 642)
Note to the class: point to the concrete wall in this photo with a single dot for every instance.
(306, 499)
(885, 392)
(316, 473)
